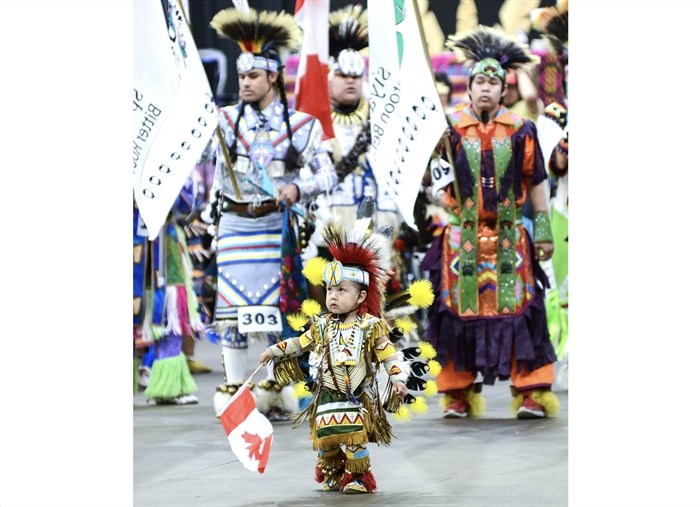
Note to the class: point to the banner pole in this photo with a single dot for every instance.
(450, 160)
(240, 389)
(227, 161)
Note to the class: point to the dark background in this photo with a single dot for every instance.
(202, 11)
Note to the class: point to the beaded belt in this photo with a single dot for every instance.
(247, 209)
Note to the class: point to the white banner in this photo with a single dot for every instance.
(173, 112)
(407, 119)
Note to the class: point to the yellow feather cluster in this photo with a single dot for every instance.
(310, 307)
(313, 271)
(430, 388)
(427, 351)
(422, 294)
(297, 320)
(402, 414)
(420, 406)
(406, 325)
(434, 367)
(300, 390)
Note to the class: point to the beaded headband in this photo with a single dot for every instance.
(490, 67)
(335, 273)
(349, 63)
(248, 61)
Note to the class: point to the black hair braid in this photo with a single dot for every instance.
(292, 158)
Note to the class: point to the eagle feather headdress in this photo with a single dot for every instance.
(264, 34)
(485, 46)
(347, 36)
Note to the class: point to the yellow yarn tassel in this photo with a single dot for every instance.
(297, 320)
(406, 325)
(402, 414)
(430, 388)
(476, 403)
(313, 271)
(420, 406)
(434, 368)
(427, 351)
(446, 401)
(517, 401)
(300, 390)
(310, 307)
(421, 292)
(548, 400)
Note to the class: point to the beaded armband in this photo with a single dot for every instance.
(285, 348)
(563, 146)
(542, 227)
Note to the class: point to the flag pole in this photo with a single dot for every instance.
(239, 390)
(227, 160)
(450, 160)
(256, 371)
(426, 54)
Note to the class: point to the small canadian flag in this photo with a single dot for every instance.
(249, 432)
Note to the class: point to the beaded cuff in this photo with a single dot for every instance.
(563, 146)
(542, 227)
(285, 348)
(394, 370)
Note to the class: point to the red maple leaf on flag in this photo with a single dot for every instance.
(254, 445)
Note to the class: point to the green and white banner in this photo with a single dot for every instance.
(407, 119)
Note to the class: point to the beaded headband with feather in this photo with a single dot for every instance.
(486, 50)
(265, 37)
(347, 36)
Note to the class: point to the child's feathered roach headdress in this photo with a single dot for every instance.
(360, 249)
(486, 50)
(347, 36)
(265, 37)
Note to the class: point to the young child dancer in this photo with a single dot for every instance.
(347, 346)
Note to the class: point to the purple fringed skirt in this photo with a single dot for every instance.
(487, 345)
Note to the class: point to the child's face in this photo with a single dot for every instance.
(344, 297)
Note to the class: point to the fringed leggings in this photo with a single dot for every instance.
(334, 461)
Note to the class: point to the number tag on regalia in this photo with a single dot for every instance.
(442, 173)
(253, 319)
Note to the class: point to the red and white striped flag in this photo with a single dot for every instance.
(249, 432)
(311, 87)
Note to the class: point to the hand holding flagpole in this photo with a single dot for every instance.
(247, 381)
